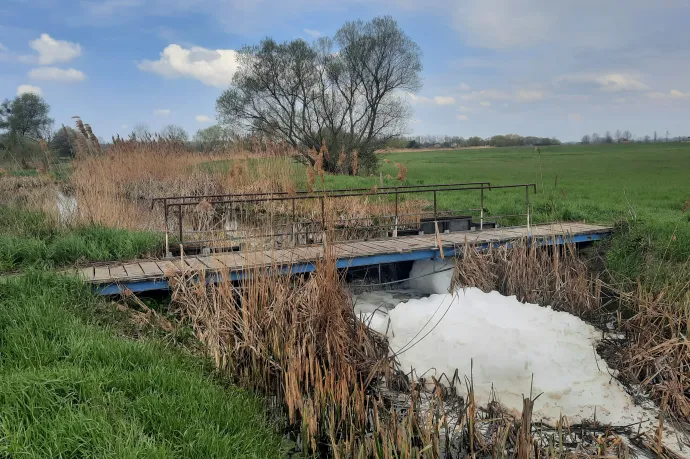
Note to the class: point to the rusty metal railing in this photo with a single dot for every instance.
(175, 207)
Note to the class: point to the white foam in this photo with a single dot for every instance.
(502, 344)
(422, 279)
(508, 342)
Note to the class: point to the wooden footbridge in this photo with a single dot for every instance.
(296, 248)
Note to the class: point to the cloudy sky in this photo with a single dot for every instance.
(539, 67)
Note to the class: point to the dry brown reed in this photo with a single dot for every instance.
(115, 188)
(656, 353)
(555, 277)
(38, 193)
(297, 341)
(402, 172)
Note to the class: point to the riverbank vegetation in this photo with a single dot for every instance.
(73, 383)
(644, 266)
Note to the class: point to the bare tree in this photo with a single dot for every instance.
(627, 135)
(585, 140)
(607, 137)
(174, 132)
(596, 138)
(342, 92)
(141, 131)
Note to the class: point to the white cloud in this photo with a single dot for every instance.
(124, 126)
(57, 74)
(3, 48)
(418, 99)
(462, 117)
(672, 94)
(463, 86)
(528, 95)
(213, 68)
(620, 100)
(575, 117)
(464, 108)
(610, 82)
(51, 51)
(161, 112)
(520, 95)
(444, 100)
(485, 103)
(313, 33)
(203, 119)
(27, 88)
(676, 94)
(437, 100)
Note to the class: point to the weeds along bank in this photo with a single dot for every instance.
(337, 386)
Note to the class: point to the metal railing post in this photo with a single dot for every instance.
(179, 221)
(294, 237)
(435, 212)
(481, 210)
(395, 228)
(323, 220)
(167, 228)
(529, 229)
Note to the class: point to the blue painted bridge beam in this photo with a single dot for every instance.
(344, 263)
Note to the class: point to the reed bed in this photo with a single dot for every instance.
(116, 188)
(297, 341)
(655, 354)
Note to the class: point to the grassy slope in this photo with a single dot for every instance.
(644, 184)
(27, 238)
(72, 389)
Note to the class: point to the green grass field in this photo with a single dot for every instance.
(70, 387)
(644, 186)
(29, 239)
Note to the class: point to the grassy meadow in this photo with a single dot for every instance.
(73, 384)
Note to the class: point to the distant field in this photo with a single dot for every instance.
(643, 184)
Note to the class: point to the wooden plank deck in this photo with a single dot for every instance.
(351, 252)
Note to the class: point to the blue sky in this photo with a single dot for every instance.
(539, 67)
